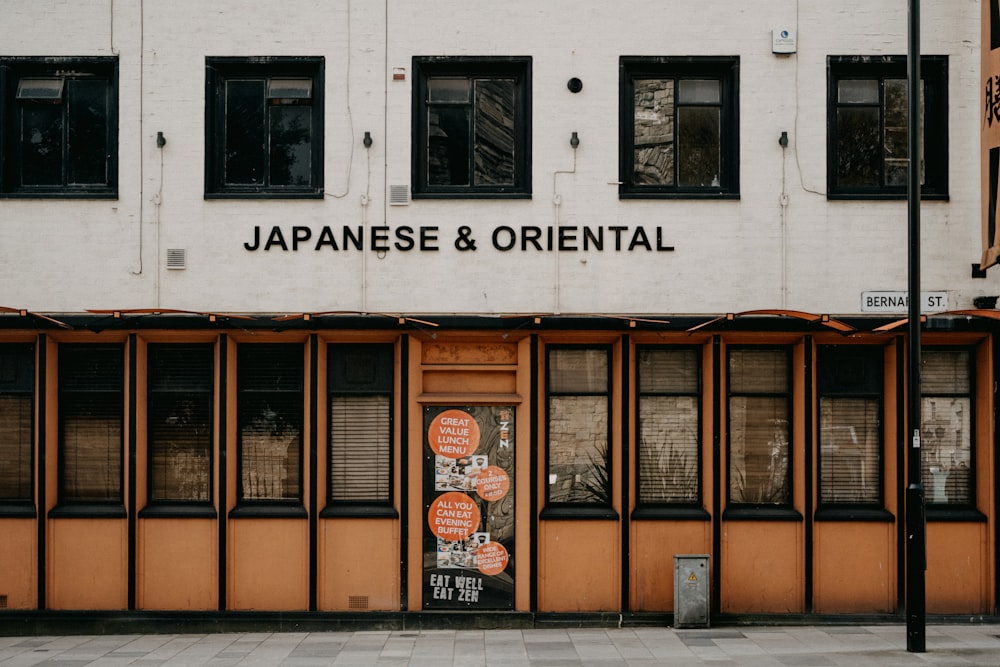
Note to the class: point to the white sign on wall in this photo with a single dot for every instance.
(899, 302)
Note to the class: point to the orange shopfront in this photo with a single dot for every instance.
(487, 471)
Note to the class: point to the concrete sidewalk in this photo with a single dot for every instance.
(806, 646)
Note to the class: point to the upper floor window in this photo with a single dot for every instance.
(360, 382)
(867, 135)
(180, 397)
(850, 425)
(60, 127)
(947, 461)
(264, 127)
(760, 412)
(579, 408)
(669, 425)
(679, 127)
(472, 127)
(17, 383)
(91, 423)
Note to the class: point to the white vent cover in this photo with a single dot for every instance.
(176, 258)
(399, 195)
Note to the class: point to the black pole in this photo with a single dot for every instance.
(916, 534)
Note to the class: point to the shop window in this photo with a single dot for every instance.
(578, 381)
(759, 427)
(472, 127)
(868, 136)
(669, 424)
(270, 407)
(264, 127)
(180, 396)
(947, 461)
(60, 127)
(17, 382)
(850, 425)
(680, 127)
(360, 384)
(91, 418)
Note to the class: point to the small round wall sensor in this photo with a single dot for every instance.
(574, 85)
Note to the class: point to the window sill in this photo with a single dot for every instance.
(12, 510)
(714, 195)
(883, 196)
(946, 514)
(470, 194)
(854, 514)
(675, 513)
(264, 194)
(579, 512)
(62, 194)
(761, 513)
(178, 511)
(268, 512)
(358, 512)
(88, 511)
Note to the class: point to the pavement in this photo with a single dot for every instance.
(800, 646)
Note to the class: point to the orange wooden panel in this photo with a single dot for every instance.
(854, 568)
(268, 564)
(762, 567)
(957, 576)
(87, 564)
(19, 563)
(358, 564)
(468, 381)
(469, 353)
(177, 564)
(654, 545)
(579, 566)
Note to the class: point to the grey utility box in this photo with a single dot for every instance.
(691, 591)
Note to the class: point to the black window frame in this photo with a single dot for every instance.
(220, 70)
(517, 68)
(17, 379)
(361, 370)
(74, 390)
(166, 387)
(69, 71)
(934, 74)
(725, 69)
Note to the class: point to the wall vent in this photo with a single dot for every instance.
(3, 601)
(357, 602)
(176, 258)
(399, 195)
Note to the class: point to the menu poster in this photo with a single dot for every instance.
(469, 507)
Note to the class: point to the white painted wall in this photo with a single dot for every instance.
(69, 256)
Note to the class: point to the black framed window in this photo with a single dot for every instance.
(17, 384)
(360, 385)
(850, 391)
(946, 434)
(669, 422)
(578, 383)
(679, 127)
(270, 413)
(760, 414)
(471, 127)
(867, 135)
(264, 127)
(180, 398)
(60, 127)
(91, 423)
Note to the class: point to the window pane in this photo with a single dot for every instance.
(578, 449)
(858, 146)
(758, 371)
(896, 133)
(270, 414)
(17, 383)
(448, 139)
(245, 126)
(699, 91)
(946, 429)
(40, 89)
(91, 408)
(180, 422)
(653, 132)
(41, 144)
(857, 91)
(494, 123)
(441, 89)
(291, 145)
(668, 449)
(698, 146)
(578, 371)
(360, 448)
(850, 450)
(289, 88)
(758, 454)
(87, 119)
(668, 370)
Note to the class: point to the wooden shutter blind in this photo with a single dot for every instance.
(946, 429)
(16, 408)
(181, 379)
(91, 407)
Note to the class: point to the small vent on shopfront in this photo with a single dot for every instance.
(3, 601)
(176, 258)
(399, 195)
(357, 602)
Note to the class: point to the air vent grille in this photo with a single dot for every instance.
(399, 195)
(357, 602)
(176, 258)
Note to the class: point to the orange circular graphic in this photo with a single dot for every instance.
(492, 483)
(491, 558)
(453, 434)
(453, 516)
